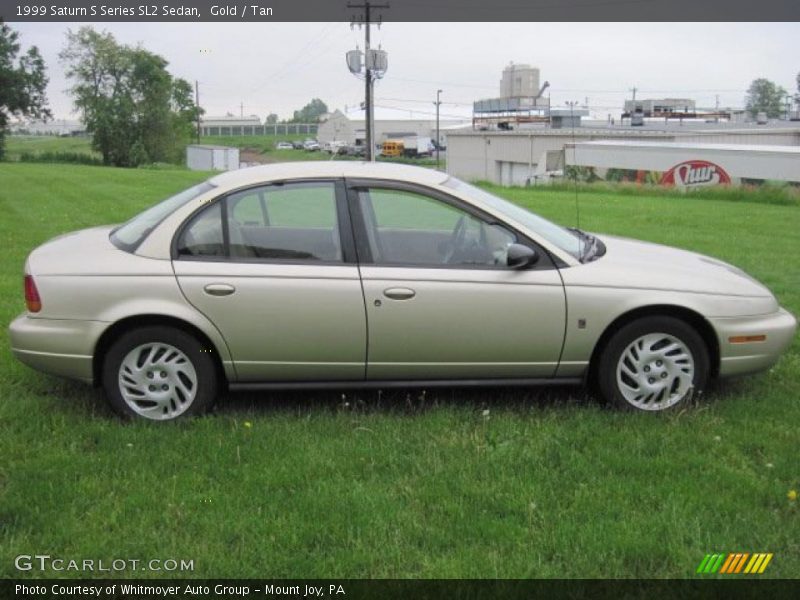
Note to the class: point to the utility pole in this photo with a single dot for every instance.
(241, 109)
(197, 107)
(438, 137)
(368, 78)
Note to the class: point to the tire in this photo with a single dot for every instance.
(653, 364)
(159, 373)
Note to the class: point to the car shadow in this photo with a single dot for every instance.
(401, 400)
(74, 396)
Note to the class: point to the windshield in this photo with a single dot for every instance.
(128, 236)
(555, 234)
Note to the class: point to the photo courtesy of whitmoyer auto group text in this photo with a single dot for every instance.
(399, 299)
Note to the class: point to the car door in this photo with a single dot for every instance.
(273, 267)
(441, 302)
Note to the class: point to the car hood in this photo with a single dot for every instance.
(634, 264)
(89, 252)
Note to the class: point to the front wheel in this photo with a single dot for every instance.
(159, 373)
(653, 364)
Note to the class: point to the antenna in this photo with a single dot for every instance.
(572, 105)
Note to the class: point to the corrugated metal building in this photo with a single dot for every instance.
(338, 127)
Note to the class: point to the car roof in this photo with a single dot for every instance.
(327, 168)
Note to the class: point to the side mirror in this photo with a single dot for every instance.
(520, 257)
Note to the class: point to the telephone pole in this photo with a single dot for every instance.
(197, 107)
(369, 79)
(438, 137)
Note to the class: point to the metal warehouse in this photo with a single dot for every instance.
(338, 127)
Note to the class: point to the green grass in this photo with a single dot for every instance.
(17, 145)
(501, 483)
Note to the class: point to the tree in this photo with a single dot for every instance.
(311, 112)
(797, 95)
(136, 111)
(22, 82)
(765, 96)
(272, 118)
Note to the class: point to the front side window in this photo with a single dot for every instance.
(407, 228)
(276, 222)
(555, 234)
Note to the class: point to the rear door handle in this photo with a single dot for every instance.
(399, 293)
(219, 289)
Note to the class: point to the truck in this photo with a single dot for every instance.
(417, 145)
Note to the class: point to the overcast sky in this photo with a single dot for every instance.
(279, 67)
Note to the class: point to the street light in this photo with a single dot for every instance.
(438, 137)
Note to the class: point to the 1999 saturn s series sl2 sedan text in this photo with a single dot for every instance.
(355, 274)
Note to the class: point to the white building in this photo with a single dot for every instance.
(337, 126)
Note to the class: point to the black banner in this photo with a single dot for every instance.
(399, 10)
(349, 589)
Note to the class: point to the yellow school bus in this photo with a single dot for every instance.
(392, 148)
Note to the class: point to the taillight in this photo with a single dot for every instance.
(32, 299)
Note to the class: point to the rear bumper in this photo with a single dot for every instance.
(56, 346)
(740, 359)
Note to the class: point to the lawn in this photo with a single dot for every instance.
(446, 484)
(16, 145)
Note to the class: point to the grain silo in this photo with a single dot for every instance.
(519, 81)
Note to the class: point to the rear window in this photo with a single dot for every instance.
(129, 235)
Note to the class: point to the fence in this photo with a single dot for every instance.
(273, 129)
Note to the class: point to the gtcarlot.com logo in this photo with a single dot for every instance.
(734, 563)
(45, 562)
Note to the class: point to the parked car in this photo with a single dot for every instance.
(352, 274)
(311, 145)
(356, 150)
(297, 145)
(336, 147)
(284, 146)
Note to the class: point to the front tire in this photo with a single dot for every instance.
(159, 373)
(653, 364)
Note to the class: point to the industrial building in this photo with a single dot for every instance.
(660, 107)
(336, 126)
(521, 100)
(530, 155)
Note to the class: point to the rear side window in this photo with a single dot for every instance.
(203, 234)
(280, 222)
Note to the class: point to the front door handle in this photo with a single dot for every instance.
(399, 293)
(219, 289)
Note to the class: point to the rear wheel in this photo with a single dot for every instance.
(653, 364)
(159, 373)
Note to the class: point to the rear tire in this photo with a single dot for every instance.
(159, 373)
(654, 364)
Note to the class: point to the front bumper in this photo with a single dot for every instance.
(56, 346)
(740, 359)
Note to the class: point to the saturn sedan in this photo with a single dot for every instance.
(349, 275)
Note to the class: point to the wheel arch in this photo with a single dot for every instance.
(112, 333)
(687, 315)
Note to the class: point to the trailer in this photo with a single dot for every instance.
(205, 157)
(686, 165)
